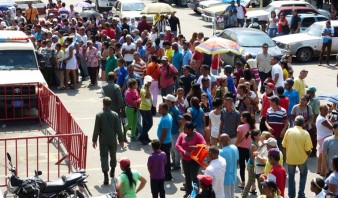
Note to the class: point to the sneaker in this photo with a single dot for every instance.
(182, 188)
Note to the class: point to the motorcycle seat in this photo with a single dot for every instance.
(54, 186)
(71, 178)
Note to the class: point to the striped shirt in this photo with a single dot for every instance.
(140, 67)
(276, 120)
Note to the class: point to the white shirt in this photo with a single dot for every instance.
(277, 69)
(128, 57)
(320, 195)
(215, 122)
(240, 12)
(216, 170)
(322, 131)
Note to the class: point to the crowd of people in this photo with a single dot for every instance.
(256, 114)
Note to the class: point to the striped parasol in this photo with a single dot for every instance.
(218, 45)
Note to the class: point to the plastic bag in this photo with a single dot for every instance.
(194, 190)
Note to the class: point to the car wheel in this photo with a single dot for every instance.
(175, 2)
(183, 3)
(304, 55)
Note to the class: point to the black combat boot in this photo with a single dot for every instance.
(112, 172)
(106, 179)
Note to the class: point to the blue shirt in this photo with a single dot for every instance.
(197, 116)
(176, 115)
(165, 123)
(231, 84)
(231, 155)
(207, 91)
(293, 98)
(122, 72)
(136, 76)
(38, 35)
(142, 52)
(187, 55)
(177, 60)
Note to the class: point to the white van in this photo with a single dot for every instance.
(19, 70)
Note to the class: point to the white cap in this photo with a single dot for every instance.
(167, 28)
(271, 142)
(170, 98)
(147, 79)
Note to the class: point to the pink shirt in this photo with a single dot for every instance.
(182, 145)
(164, 72)
(243, 129)
(132, 95)
(92, 58)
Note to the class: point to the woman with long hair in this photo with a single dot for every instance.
(282, 24)
(272, 24)
(60, 55)
(195, 91)
(249, 77)
(206, 109)
(133, 100)
(243, 142)
(186, 143)
(244, 103)
(254, 145)
(222, 89)
(192, 41)
(181, 103)
(127, 181)
(215, 121)
(197, 114)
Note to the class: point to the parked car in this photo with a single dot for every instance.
(307, 44)
(210, 3)
(262, 15)
(251, 40)
(193, 4)
(130, 9)
(306, 20)
(181, 3)
(209, 14)
(38, 4)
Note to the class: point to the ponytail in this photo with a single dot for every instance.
(129, 174)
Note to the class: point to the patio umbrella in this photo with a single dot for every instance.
(83, 5)
(89, 14)
(328, 97)
(218, 45)
(158, 8)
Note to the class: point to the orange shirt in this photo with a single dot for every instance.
(153, 70)
(31, 14)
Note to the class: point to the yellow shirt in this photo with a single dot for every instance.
(169, 53)
(145, 102)
(61, 41)
(300, 86)
(286, 74)
(268, 166)
(297, 142)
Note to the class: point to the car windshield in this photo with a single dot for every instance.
(314, 30)
(270, 8)
(254, 40)
(132, 7)
(17, 60)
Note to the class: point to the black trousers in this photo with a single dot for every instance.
(157, 187)
(92, 71)
(166, 148)
(190, 169)
(147, 123)
(244, 155)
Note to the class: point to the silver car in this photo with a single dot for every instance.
(307, 44)
(251, 40)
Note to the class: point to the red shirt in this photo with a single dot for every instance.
(109, 32)
(143, 25)
(265, 105)
(169, 37)
(279, 172)
(215, 61)
(284, 102)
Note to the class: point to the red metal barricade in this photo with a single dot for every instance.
(69, 140)
(40, 153)
(19, 101)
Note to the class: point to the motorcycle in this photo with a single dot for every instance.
(35, 187)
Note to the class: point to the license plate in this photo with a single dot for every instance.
(17, 103)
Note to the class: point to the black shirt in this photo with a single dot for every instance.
(186, 81)
(294, 22)
(174, 21)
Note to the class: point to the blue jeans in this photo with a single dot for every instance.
(174, 152)
(272, 32)
(302, 181)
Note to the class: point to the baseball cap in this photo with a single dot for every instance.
(271, 142)
(312, 89)
(271, 85)
(164, 58)
(170, 98)
(205, 179)
(124, 162)
(289, 81)
(274, 99)
(167, 28)
(147, 79)
(270, 184)
(55, 37)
